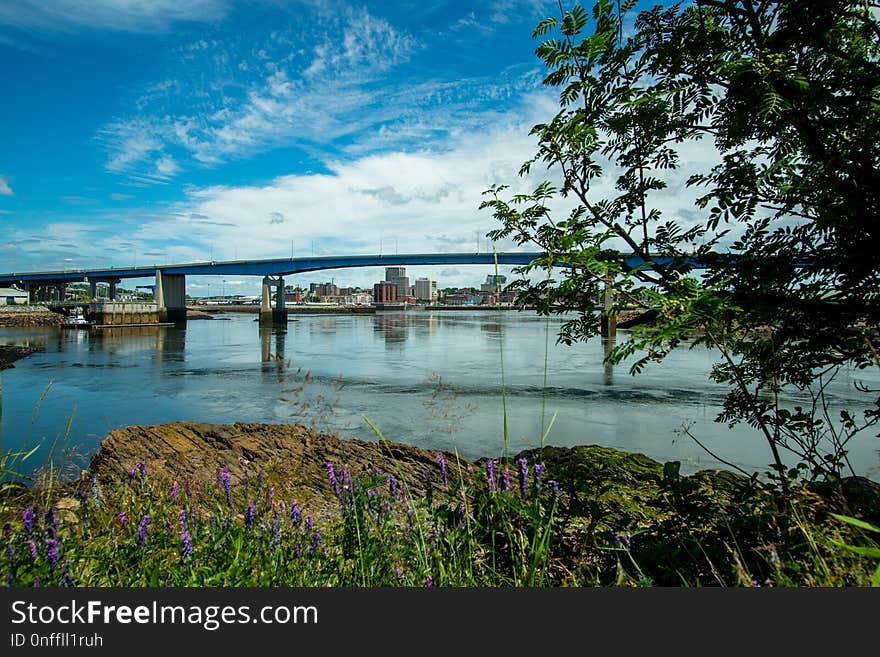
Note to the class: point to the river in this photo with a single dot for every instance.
(438, 380)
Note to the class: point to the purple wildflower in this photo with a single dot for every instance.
(95, 491)
(33, 548)
(131, 474)
(429, 581)
(27, 517)
(182, 520)
(52, 553)
(186, 544)
(392, 486)
(555, 486)
(122, 519)
(275, 540)
(295, 512)
(310, 522)
(505, 480)
(66, 579)
(142, 530)
(523, 476)
(316, 542)
(442, 463)
(50, 522)
(334, 484)
(538, 468)
(249, 517)
(223, 480)
(175, 491)
(490, 473)
(142, 469)
(397, 574)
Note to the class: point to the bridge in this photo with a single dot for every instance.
(170, 288)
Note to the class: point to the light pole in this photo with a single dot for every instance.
(223, 291)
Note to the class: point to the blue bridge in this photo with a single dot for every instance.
(169, 291)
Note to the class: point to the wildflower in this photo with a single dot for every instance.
(223, 480)
(131, 474)
(442, 463)
(142, 530)
(122, 519)
(10, 578)
(334, 484)
(392, 486)
(33, 548)
(555, 486)
(620, 540)
(186, 544)
(398, 575)
(295, 513)
(188, 489)
(309, 522)
(65, 580)
(249, 517)
(505, 480)
(182, 520)
(95, 491)
(52, 553)
(523, 476)
(142, 469)
(27, 517)
(275, 540)
(50, 522)
(490, 473)
(175, 491)
(538, 468)
(774, 555)
(316, 542)
(429, 581)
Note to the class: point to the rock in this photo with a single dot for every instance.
(290, 457)
(9, 354)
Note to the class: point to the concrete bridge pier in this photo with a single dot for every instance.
(170, 296)
(278, 314)
(608, 321)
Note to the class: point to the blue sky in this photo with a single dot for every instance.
(139, 133)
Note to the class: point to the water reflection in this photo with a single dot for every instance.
(607, 346)
(272, 346)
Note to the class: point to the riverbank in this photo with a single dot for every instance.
(586, 515)
(22, 315)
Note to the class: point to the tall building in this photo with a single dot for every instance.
(397, 276)
(494, 282)
(384, 292)
(426, 290)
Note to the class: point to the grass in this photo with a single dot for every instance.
(509, 527)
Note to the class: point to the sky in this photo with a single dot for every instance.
(168, 131)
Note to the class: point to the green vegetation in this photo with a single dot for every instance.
(605, 519)
(780, 99)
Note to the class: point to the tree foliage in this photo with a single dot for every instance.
(788, 276)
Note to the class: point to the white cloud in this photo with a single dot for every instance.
(5, 189)
(116, 15)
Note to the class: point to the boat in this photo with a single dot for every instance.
(76, 320)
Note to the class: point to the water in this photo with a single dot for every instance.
(433, 380)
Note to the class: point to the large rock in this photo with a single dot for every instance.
(290, 457)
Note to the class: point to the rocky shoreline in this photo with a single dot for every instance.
(632, 489)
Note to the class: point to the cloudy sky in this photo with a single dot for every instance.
(169, 131)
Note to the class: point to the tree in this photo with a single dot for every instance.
(789, 95)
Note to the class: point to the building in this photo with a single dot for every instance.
(425, 290)
(397, 276)
(384, 292)
(10, 296)
(493, 283)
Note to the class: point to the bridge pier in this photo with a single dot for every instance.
(608, 320)
(170, 296)
(268, 314)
